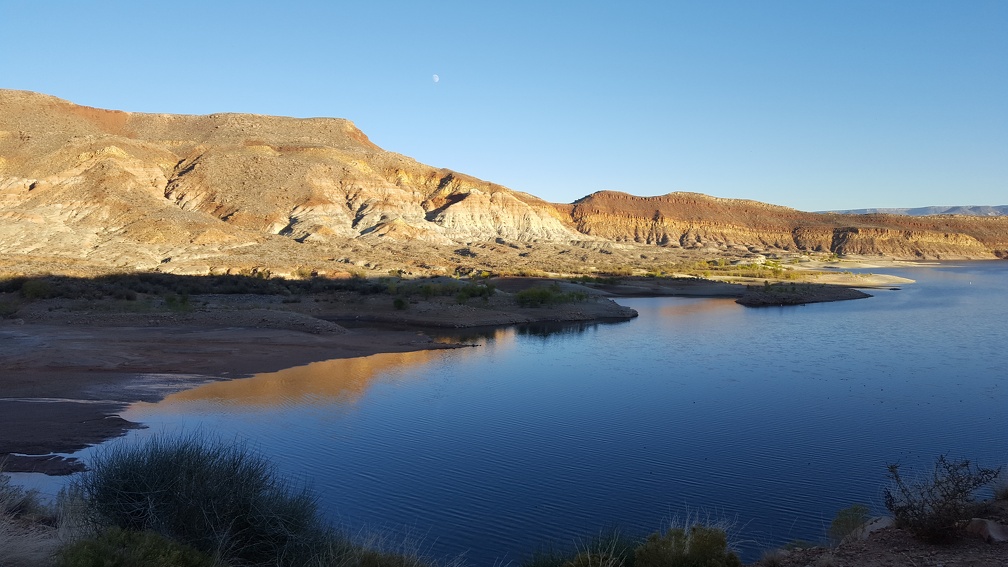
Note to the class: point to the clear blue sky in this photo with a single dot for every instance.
(814, 105)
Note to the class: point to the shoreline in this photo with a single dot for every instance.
(88, 360)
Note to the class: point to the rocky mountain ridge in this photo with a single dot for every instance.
(87, 190)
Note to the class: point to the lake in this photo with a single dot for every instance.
(774, 418)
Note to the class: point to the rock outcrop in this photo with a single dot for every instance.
(691, 220)
(101, 190)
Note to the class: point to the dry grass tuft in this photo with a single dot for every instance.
(26, 543)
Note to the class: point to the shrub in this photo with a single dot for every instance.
(220, 499)
(8, 309)
(37, 289)
(936, 508)
(847, 522)
(1000, 487)
(399, 303)
(118, 548)
(177, 303)
(537, 296)
(17, 502)
(697, 546)
(772, 558)
(609, 549)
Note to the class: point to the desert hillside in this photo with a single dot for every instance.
(85, 190)
(692, 220)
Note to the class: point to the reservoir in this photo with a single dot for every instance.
(772, 418)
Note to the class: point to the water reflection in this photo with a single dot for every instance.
(547, 330)
(697, 307)
(345, 381)
(342, 381)
(504, 335)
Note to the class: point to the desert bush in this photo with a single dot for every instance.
(11, 284)
(772, 558)
(16, 502)
(538, 296)
(610, 548)
(1000, 488)
(221, 499)
(304, 273)
(470, 291)
(119, 548)
(847, 521)
(37, 289)
(399, 303)
(696, 546)
(177, 303)
(9, 308)
(937, 507)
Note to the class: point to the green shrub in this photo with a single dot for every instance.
(847, 522)
(538, 296)
(399, 303)
(177, 303)
(37, 289)
(936, 508)
(218, 498)
(118, 548)
(697, 546)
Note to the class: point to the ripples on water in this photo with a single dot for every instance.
(774, 417)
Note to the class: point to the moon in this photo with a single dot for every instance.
(436, 78)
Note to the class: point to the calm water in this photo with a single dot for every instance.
(775, 418)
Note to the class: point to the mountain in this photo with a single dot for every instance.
(692, 220)
(85, 190)
(972, 210)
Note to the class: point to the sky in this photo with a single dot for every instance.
(815, 105)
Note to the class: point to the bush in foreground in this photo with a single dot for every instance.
(936, 508)
(696, 545)
(16, 502)
(220, 499)
(1000, 487)
(27, 525)
(118, 548)
(609, 549)
(847, 522)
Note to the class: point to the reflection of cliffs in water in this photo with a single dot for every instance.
(340, 380)
(498, 336)
(693, 307)
(547, 330)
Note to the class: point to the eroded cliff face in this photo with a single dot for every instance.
(691, 220)
(81, 182)
(113, 190)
